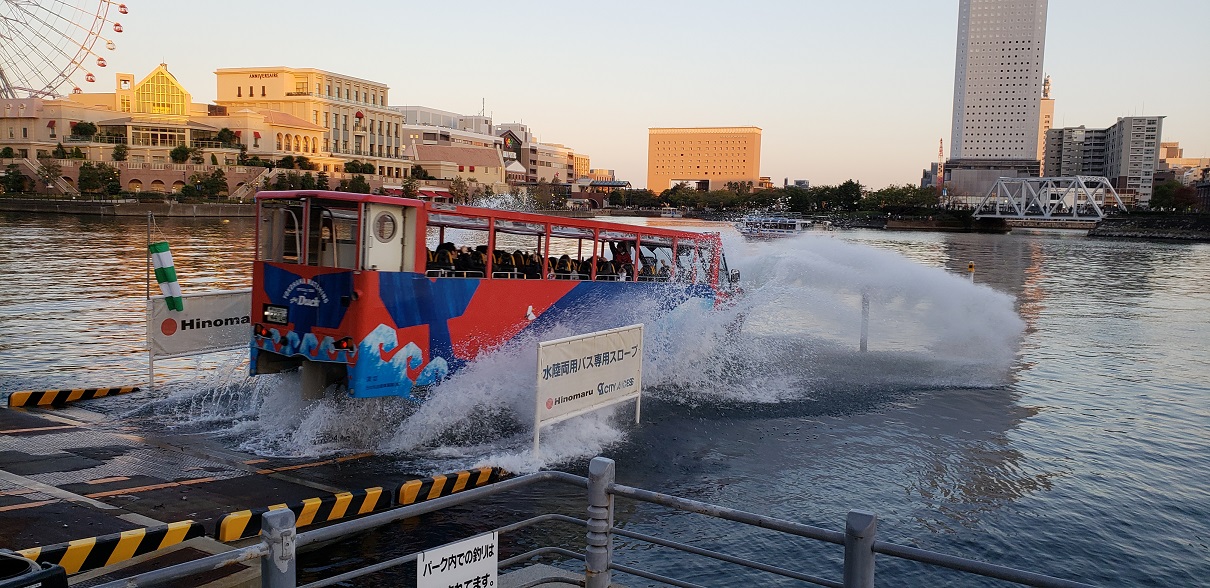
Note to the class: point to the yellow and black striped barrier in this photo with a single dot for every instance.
(82, 555)
(438, 486)
(246, 523)
(61, 397)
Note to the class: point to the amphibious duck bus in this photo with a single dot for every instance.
(389, 295)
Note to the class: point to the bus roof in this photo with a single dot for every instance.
(330, 195)
(521, 222)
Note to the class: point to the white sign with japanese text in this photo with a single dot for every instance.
(577, 375)
(470, 563)
(211, 321)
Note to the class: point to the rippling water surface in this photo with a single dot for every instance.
(1053, 415)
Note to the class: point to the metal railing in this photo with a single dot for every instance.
(280, 541)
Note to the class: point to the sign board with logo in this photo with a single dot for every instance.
(581, 374)
(469, 563)
(211, 321)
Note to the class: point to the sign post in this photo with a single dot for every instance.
(471, 562)
(585, 373)
(212, 321)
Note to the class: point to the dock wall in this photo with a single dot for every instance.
(126, 208)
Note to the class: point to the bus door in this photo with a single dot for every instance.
(390, 237)
(332, 241)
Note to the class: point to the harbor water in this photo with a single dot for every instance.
(1051, 414)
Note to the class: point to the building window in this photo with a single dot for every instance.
(239, 91)
(251, 91)
(262, 91)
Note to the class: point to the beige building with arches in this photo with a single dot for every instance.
(348, 117)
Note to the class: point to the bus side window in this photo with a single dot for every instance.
(279, 235)
(705, 257)
(684, 262)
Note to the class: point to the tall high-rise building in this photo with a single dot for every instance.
(997, 85)
(1046, 120)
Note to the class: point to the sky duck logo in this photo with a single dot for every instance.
(305, 292)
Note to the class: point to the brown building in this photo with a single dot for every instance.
(704, 158)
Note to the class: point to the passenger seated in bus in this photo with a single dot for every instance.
(471, 261)
(585, 270)
(503, 263)
(530, 265)
(563, 268)
(444, 259)
(462, 262)
(606, 270)
(647, 271)
(479, 259)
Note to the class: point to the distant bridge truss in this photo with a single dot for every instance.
(1074, 198)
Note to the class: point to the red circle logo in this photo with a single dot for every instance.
(168, 327)
(550, 403)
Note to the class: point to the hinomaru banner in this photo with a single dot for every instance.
(211, 321)
(579, 374)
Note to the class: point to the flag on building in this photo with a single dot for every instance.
(165, 274)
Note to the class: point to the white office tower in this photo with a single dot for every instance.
(997, 91)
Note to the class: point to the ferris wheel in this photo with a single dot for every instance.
(50, 45)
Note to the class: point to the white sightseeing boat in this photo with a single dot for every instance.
(769, 225)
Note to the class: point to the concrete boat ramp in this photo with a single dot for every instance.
(84, 491)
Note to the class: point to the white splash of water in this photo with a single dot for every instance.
(792, 335)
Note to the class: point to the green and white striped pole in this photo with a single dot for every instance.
(165, 274)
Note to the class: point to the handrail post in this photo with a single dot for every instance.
(599, 553)
(859, 529)
(277, 569)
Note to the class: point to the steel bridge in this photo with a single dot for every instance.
(1071, 198)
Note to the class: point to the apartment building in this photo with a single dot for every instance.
(1131, 156)
(1074, 151)
(550, 162)
(423, 125)
(704, 158)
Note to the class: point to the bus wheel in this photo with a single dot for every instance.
(317, 376)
